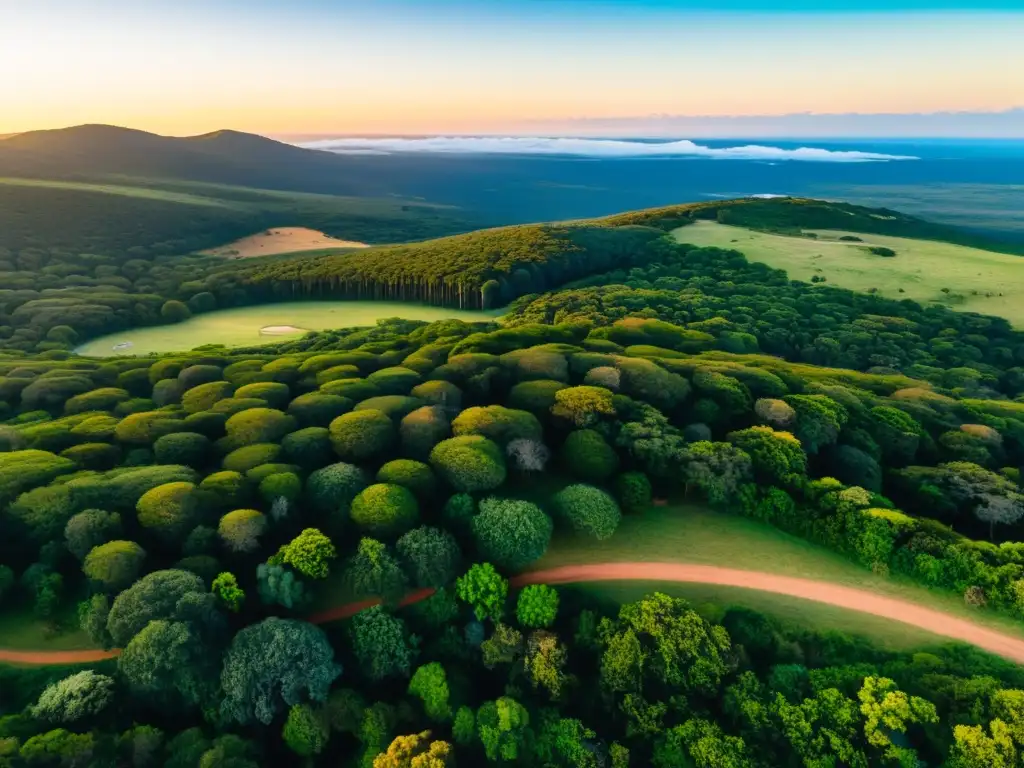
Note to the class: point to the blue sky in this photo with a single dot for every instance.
(465, 66)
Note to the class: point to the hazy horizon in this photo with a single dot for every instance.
(682, 68)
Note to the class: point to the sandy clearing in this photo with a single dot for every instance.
(280, 330)
(280, 240)
(936, 622)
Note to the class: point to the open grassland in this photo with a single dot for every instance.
(21, 630)
(146, 193)
(693, 534)
(962, 278)
(243, 326)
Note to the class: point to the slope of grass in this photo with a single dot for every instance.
(693, 534)
(21, 630)
(927, 271)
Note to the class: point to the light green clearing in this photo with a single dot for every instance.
(978, 281)
(692, 534)
(21, 630)
(122, 191)
(241, 326)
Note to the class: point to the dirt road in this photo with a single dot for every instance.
(941, 624)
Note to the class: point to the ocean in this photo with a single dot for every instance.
(975, 183)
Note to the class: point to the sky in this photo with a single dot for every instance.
(535, 67)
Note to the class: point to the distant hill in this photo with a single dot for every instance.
(223, 157)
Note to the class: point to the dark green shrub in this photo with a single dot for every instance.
(394, 381)
(414, 475)
(260, 473)
(240, 529)
(274, 393)
(511, 533)
(335, 373)
(93, 455)
(259, 425)
(104, 399)
(537, 396)
(318, 409)
(469, 463)
(194, 375)
(144, 428)
(332, 488)
(355, 390)
(442, 393)
(497, 423)
(226, 489)
(430, 556)
(588, 456)
(229, 406)
(189, 448)
(309, 448)
(250, 456)
(384, 510)
(170, 510)
(588, 510)
(281, 485)
(174, 311)
(633, 491)
(89, 529)
(203, 397)
(458, 513)
(422, 429)
(362, 435)
(395, 406)
(167, 392)
(115, 564)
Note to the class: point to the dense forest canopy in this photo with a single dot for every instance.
(197, 510)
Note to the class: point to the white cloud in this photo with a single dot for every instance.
(606, 148)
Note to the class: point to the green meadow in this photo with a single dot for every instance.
(959, 277)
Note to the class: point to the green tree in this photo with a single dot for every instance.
(384, 510)
(154, 596)
(310, 553)
(226, 588)
(503, 727)
(888, 710)
(588, 510)
(583, 406)
(777, 457)
(470, 463)
(717, 469)
(633, 490)
(431, 556)
(115, 564)
(276, 662)
(511, 533)
(240, 529)
(484, 589)
(537, 606)
(380, 645)
(373, 572)
(170, 662)
(587, 455)
(430, 684)
(306, 731)
(362, 435)
(89, 529)
(78, 697)
(170, 509)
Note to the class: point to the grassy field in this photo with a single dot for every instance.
(20, 630)
(977, 281)
(693, 534)
(241, 326)
(148, 193)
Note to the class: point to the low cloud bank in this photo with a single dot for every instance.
(605, 148)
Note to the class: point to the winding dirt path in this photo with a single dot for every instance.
(941, 624)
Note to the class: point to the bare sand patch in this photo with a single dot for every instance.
(280, 330)
(280, 240)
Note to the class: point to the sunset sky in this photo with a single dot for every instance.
(516, 66)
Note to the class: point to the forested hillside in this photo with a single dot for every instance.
(193, 505)
(206, 513)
